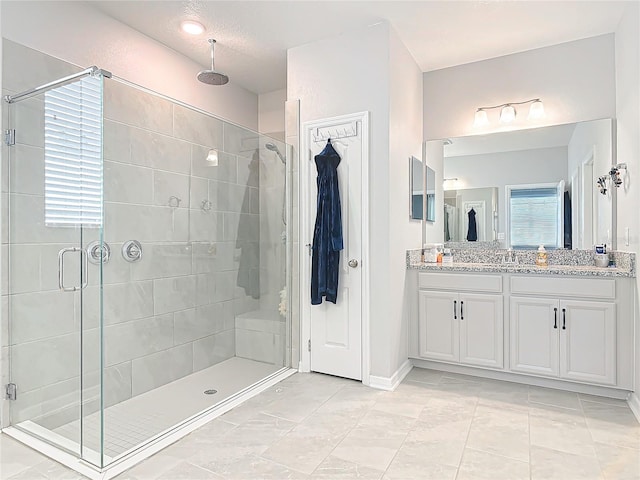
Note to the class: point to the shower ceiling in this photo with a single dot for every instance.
(253, 36)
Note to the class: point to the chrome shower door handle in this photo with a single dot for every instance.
(84, 266)
(84, 273)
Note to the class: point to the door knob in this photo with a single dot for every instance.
(353, 263)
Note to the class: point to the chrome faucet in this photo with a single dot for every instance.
(509, 257)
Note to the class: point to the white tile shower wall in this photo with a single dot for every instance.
(166, 316)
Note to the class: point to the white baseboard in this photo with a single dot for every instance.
(634, 404)
(392, 382)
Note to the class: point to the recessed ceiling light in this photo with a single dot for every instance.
(192, 27)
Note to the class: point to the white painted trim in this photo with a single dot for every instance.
(532, 380)
(162, 441)
(392, 382)
(634, 405)
(305, 224)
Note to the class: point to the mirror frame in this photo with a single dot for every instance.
(430, 198)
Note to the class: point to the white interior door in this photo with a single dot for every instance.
(336, 329)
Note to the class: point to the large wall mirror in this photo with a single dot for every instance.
(533, 186)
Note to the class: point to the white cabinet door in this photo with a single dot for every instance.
(588, 341)
(534, 326)
(481, 327)
(438, 330)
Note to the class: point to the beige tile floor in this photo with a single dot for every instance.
(434, 426)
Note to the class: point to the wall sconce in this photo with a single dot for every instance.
(613, 175)
(508, 112)
(212, 158)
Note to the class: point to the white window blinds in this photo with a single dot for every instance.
(73, 154)
(535, 217)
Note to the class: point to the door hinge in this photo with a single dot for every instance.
(10, 137)
(309, 345)
(12, 391)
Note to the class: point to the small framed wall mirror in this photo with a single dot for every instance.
(416, 188)
(430, 208)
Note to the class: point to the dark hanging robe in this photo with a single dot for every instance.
(472, 232)
(248, 236)
(327, 233)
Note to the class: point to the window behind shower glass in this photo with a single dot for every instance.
(73, 154)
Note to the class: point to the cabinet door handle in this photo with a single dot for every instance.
(564, 319)
(555, 317)
(461, 310)
(455, 311)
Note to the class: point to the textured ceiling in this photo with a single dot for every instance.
(253, 36)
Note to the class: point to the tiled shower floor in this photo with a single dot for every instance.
(128, 424)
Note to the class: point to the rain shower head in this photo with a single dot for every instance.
(274, 148)
(211, 77)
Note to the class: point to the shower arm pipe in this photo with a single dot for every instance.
(56, 83)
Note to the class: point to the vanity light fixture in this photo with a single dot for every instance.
(450, 183)
(508, 112)
(192, 27)
(212, 158)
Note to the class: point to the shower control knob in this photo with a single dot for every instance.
(132, 251)
(353, 263)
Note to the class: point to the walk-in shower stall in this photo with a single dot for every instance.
(145, 256)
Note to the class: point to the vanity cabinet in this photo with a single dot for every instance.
(569, 339)
(558, 328)
(564, 328)
(458, 326)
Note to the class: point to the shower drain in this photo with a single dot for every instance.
(210, 392)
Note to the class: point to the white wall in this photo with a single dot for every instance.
(370, 70)
(405, 139)
(82, 35)
(627, 64)
(271, 113)
(575, 80)
(357, 80)
(542, 165)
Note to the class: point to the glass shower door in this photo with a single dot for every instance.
(54, 197)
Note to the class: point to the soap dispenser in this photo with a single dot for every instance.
(541, 259)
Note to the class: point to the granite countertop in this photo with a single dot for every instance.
(561, 262)
(575, 270)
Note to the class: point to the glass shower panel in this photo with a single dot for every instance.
(55, 205)
(195, 319)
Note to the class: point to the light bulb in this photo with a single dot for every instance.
(212, 158)
(536, 110)
(192, 27)
(507, 114)
(481, 118)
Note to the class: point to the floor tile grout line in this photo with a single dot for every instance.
(466, 441)
(529, 425)
(362, 414)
